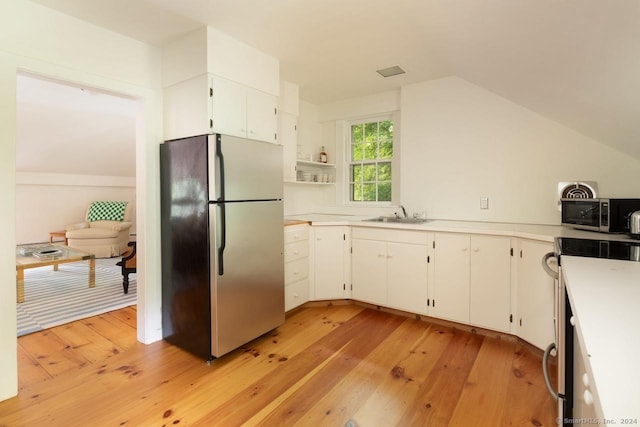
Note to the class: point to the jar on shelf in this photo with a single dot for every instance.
(323, 155)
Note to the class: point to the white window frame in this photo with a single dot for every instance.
(345, 129)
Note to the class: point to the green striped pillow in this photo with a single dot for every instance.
(106, 211)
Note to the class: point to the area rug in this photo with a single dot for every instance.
(53, 298)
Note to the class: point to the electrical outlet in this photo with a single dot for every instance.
(484, 203)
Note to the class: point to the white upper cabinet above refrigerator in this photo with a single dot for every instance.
(214, 83)
(228, 109)
(210, 104)
(262, 123)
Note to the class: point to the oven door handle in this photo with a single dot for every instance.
(545, 370)
(545, 265)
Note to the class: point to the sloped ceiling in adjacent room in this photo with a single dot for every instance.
(576, 62)
(67, 129)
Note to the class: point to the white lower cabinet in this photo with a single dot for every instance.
(535, 295)
(490, 282)
(369, 271)
(296, 266)
(472, 280)
(449, 290)
(407, 277)
(586, 404)
(389, 268)
(331, 267)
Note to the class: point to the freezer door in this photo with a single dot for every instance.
(247, 276)
(249, 170)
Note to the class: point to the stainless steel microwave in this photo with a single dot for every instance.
(605, 215)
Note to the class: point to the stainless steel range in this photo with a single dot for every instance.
(563, 347)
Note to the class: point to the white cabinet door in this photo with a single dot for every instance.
(288, 137)
(187, 108)
(535, 295)
(330, 262)
(369, 271)
(583, 409)
(261, 116)
(450, 296)
(210, 104)
(407, 277)
(490, 282)
(228, 107)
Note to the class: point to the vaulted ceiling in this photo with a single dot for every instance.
(576, 62)
(66, 129)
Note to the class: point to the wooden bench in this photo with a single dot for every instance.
(128, 265)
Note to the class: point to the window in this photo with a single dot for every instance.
(370, 157)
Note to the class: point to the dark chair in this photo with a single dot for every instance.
(128, 265)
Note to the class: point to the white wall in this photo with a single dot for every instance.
(49, 202)
(461, 142)
(41, 41)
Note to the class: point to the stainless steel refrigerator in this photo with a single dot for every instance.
(222, 242)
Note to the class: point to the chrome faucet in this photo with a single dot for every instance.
(404, 212)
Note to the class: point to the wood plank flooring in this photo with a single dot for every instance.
(325, 366)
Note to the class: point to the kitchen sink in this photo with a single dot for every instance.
(395, 220)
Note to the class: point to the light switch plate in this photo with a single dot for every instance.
(484, 203)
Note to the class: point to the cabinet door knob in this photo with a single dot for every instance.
(588, 397)
(296, 252)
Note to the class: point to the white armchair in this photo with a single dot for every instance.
(105, 231)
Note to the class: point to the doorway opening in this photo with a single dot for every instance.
(75, 144)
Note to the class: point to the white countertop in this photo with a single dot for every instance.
(605, 298)
(528, 231)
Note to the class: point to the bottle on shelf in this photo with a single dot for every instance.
(323, 155)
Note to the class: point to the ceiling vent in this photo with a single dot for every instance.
(577, 190)
(391, 71)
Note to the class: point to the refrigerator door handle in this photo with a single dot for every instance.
(223, 239)
(221, 200)
(220, 157)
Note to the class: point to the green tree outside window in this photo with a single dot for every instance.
(370, 163)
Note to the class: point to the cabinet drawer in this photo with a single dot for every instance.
(296, 294)
(296, 250)
(296, 270)
(296, 233)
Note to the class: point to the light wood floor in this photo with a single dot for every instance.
(324, 366)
